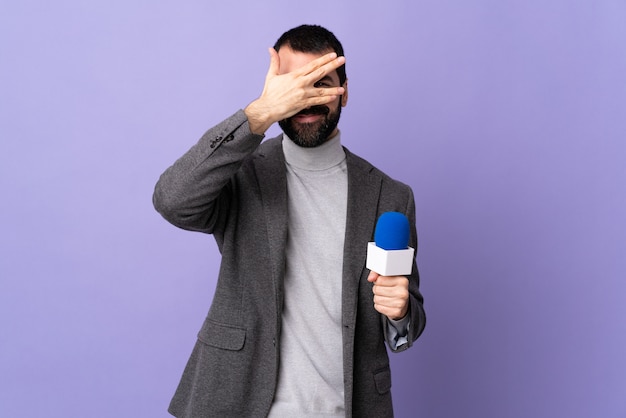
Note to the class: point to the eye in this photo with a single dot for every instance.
(322, 83)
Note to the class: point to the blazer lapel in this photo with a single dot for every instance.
(270, 169)
(363, 194)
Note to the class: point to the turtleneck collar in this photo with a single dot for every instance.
(319, 158)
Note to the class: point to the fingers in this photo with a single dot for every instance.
(315, 71)
(396, 286)
(328, 91)
(391, 295)
(311, 96)
(319, 67)
(394, 313)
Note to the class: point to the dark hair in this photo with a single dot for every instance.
(313, 39)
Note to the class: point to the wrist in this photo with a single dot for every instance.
(259, 119)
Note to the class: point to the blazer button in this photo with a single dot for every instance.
(215, 141)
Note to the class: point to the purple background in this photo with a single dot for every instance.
(508, 119)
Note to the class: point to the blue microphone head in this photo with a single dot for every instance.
(392, 231)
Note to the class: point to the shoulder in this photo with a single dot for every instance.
(270, 147)
(360, 164)
(270, 151)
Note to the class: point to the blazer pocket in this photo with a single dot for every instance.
(222, 336)
(382, 379)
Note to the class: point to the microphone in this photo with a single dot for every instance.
(390, 254)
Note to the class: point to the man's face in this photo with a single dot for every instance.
(313, 126)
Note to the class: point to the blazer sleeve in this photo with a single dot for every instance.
(417, 315)
(192, 193)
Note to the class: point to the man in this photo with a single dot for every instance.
(297, 324)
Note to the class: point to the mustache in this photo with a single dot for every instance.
(314, 110)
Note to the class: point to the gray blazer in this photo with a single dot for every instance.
(232, 186)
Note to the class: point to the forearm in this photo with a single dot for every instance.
(187, 192)
(417, 314)
(416, 300)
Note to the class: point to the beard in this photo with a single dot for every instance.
(312, 134)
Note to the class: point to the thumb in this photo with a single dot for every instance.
(274, 62)
(373, 276)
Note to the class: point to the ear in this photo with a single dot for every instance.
(344, 96)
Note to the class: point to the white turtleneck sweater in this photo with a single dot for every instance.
(310, 382)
